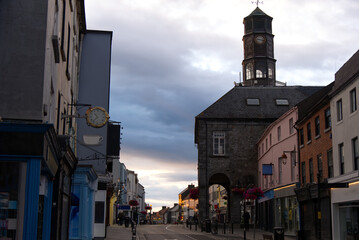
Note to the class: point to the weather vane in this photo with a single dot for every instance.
(257, 2)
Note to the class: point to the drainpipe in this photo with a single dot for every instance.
(299, 177)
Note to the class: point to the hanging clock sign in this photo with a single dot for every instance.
(96, 117)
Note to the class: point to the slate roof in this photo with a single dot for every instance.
(347, 73)
(313, 102)
(257, 12)
(233, 105)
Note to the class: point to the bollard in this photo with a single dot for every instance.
(224, 228)
(190, 226)
(133, 225)
(232, 229)
(195, 227)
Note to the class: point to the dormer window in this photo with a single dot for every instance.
(282, 102)
(252, 101)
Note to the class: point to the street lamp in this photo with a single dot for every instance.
(292, 154)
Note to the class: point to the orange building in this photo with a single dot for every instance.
(315, 163)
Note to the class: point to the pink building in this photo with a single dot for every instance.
(278, 174)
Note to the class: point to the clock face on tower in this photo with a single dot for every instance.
(260, 39)
(97, 117)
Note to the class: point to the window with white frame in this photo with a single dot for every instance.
(309, 132)
(328, 122)
(355, 153)
(339, 110)
(317, 126)
(278, 133)
(219, 143)
(341, 157)
(330, 163)
(291, 126)
(353, 101)
(280, 161)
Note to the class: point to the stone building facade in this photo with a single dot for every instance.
(226, 134)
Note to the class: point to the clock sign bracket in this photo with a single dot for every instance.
(95, 117)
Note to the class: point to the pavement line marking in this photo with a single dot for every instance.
(189, 237)
(167, 228)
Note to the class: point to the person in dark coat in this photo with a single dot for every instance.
(246, 218)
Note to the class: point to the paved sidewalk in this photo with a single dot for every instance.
(115, 232)
(238, 233)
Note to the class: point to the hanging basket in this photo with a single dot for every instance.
(133, 203)
(254, 193)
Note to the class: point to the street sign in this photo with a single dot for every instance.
(124, 207)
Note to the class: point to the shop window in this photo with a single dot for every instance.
(348, 220)
(99, 212)
(12, 199)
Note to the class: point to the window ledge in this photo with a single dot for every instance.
(353, 113)
(309, 142)
(219, 156)
(316, 137)
(301, 146)
(327, 129)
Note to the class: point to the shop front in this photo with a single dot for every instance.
(29, 156)
(286, 209)
(266, 210)
(345, 211)
(84, 185)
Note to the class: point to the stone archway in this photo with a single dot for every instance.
(223, 212)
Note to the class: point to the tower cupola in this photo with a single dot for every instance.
(258, 63)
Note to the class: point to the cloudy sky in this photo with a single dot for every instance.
(171, 59)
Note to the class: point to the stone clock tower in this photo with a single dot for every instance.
(259, 63)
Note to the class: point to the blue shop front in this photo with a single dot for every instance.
(84, 185)
(29, 159)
